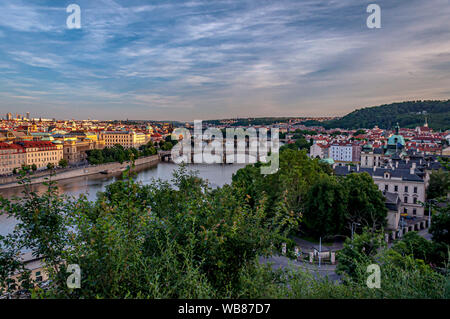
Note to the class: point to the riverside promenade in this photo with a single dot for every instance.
(108, 168)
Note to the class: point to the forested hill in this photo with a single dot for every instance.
(407, 114)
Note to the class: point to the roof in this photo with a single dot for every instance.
(396, 139)
(404, 174)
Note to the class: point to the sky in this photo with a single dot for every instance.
(211, 59)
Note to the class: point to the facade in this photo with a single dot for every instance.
(341, 152)
(41, 153)
(319, 150)
(371, 157)
(11, 156)
(393, 205)
(75, 150)
(127, 139)
(408, 184)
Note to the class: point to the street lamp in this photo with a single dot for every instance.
(356, 224)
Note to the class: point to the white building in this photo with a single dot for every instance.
(341, 152)
(319, 150)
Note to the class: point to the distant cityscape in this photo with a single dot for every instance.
(26, 141)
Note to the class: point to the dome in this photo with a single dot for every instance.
(328, 160)
(394, 140)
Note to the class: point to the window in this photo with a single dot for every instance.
(414, 212)
(415, 190)
(406, 199)
(396, 188)
(406, 189)
(386, 187)
(38, 276)
(415, 200)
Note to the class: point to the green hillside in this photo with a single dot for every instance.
(407, 114)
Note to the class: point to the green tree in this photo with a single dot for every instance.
(50, 166)
(325, 212)
(439, 185)
(366, 203)
(34, 167)
(63, 163)
(167, 146)
(440, 225)
(414, 245)
(359, 250)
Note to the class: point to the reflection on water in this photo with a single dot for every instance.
(217, 175)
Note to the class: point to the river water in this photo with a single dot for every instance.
(216, 174)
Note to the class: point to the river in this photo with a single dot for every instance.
(216, 174)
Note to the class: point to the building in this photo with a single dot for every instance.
(345, 152)
(127, 139)
(394, 209)
(377, 156)
(14, 155)
(319, 150)
(41, 153)
(75, 149)
(11, 156)
(408, 184)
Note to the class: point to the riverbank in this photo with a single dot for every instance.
(108, 168)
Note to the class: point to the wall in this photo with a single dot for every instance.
(77, 172)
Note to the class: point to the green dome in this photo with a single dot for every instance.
(394, 140)
(328, 160)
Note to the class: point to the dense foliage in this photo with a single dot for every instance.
(183, 239)
(407, 114)
(439, 185)
(118, 153)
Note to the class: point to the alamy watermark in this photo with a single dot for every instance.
(374, 19)
(74, 280)
(239, 146)
(74, 19)
(374, 279)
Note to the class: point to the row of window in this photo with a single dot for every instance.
(406, 188)
(405, 210)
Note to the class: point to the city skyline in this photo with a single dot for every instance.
(175, 60)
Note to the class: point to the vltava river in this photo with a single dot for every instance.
(216, 174)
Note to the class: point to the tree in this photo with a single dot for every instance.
(440, 225)
(14, 171)
(50, 166)
(366, 203)
(359, 250)
(167, 146)
(325, 211)
(414, 245)
(63, 163)
(439, 184)
(34, 167)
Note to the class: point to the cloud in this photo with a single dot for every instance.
(207, 59)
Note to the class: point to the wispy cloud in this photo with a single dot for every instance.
(206, 59)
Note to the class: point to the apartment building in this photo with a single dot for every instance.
(40, 153)
(11, 156)
(341, 152)
(127, 139)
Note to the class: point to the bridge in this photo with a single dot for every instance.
(238, 156)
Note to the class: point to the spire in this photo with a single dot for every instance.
(397, 129)
(426, 122)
